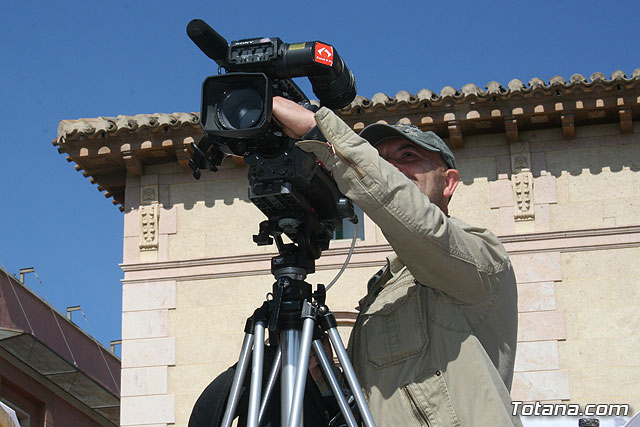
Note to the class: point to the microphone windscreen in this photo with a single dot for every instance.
(208, 40)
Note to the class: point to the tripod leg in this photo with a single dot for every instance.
(350, 374)
(256, 374)
(271, 382)
(325, 364)
(238, 379)
(295, 416)
(290, 344)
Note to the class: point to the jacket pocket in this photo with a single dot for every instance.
(430, 401)
(394, 326)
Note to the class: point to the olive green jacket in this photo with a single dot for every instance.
(435, 340)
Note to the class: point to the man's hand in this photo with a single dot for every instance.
(294, 119)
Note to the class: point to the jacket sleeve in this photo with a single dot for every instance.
(439, 251)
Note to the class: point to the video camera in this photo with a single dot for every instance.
(294, 191)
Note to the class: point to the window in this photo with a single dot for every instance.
(348, 228)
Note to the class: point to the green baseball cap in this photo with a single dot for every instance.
(377, 132)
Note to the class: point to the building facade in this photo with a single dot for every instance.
(553, 168)
(51, 372)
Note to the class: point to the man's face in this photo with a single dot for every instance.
(425, 168)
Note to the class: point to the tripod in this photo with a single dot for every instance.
(297, 318)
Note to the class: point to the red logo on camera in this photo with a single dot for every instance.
(324, 54)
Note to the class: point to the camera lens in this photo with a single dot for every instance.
(240, 108)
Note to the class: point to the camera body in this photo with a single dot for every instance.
(286, 183)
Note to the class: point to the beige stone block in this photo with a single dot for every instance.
(525, 227)
(592, 354)
(503, 166)
(132, 181)
(145, 324)
(223, 291)
(194, 378)
(164, 196)
(542, 222)
(541, 326)
(222, 348)
(500, 194)
(595, 133)
(507, 221)
(230, 318)
(601, 185)
(602, 264)
(562, 188)
(621, 155)
(574, 160)
(184, 405)
(540, 385)
(614, 384)
(163, 248)
(189, 321)
(148, 256)
(536, 296)
(477, 168)
(537, 267)
(576, 216)
(544, 189)
(131, 197)
(537, 356)
(623, 212)
(132, 224)
(187, 195)
(143, 381)
(148, 352)
(148, 180)
(538, 163)
(540, 135)
(131, 250)
(470, 203)
(167, 222)
(602, 323)
(140, 410)
(148, 296)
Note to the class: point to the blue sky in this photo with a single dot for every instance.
(69, 60)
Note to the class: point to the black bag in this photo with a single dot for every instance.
(208, 410)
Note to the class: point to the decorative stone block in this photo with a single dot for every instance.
(522, 183)
(149, 227)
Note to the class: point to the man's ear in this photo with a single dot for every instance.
(452, 178)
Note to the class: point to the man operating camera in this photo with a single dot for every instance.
(435, 340)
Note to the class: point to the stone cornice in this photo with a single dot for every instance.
(107, 149)
(374, 255)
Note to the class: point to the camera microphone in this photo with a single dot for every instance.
(209, 41)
